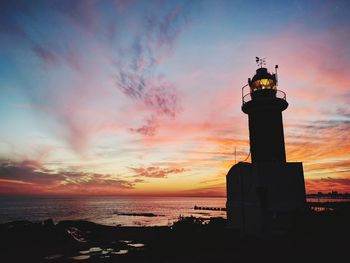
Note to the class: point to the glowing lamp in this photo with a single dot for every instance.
(262, 80)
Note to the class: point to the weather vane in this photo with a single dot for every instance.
(260, 61)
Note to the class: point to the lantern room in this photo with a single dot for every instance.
(262, 80)
(263, 85)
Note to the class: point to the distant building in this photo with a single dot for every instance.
(262, 194)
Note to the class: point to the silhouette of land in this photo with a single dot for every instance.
(330, 195)
(313, 236)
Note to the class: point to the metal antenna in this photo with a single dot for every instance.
(235, 155)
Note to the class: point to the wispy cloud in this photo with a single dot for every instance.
(156, 172)
(137, 73)
(149, 128)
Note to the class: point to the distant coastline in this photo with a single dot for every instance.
(330, 195)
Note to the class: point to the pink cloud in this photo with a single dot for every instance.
(148, 129)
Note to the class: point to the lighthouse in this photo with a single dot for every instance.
(263, 195)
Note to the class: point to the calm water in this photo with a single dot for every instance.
(107, 210)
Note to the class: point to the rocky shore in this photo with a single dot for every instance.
(314, 237)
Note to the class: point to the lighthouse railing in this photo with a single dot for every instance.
(247, 96)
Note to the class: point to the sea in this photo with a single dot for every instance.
(123, 211)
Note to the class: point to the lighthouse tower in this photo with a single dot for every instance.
(262, 195)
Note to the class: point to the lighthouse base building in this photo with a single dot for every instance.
(261, 197)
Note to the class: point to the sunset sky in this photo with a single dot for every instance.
(144, 97)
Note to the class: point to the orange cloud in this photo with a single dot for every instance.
(156, 172)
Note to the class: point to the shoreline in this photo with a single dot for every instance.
(188, 240)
